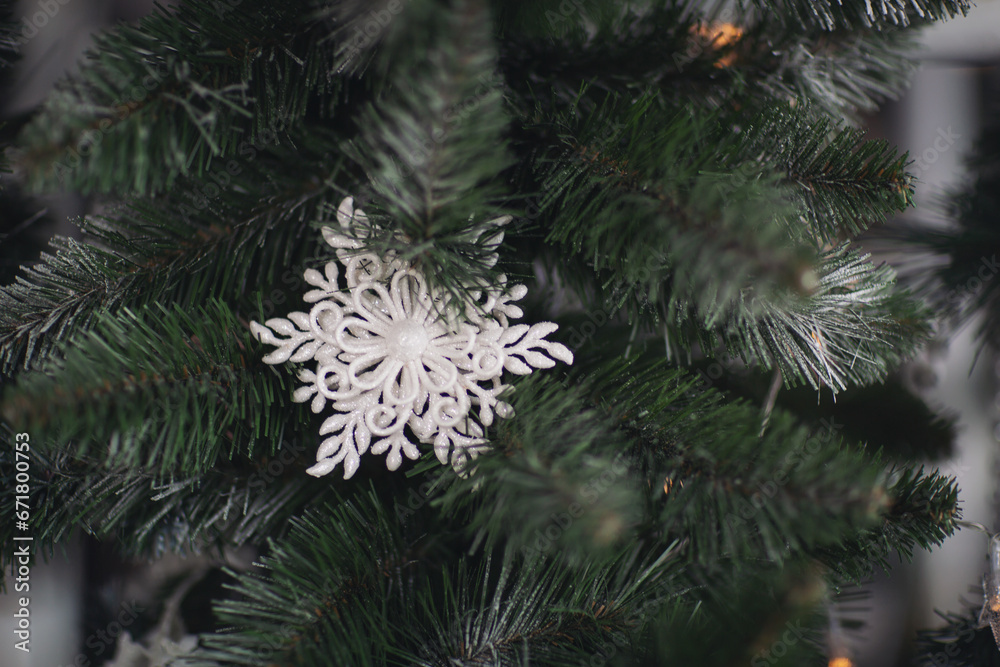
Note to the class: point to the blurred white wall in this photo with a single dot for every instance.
(945, 99)
(55, 607)
(938, 121)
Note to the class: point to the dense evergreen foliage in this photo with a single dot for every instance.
(688, 183)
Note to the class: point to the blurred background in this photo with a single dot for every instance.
(937, 121)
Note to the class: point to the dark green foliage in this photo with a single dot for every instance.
(330, 595)
(574, 463)
(655, 213)
(238, 502)
(404, 599)
(421, 147)
(655, 458)
(642, 199)
(841, 72)
(687, 189)
(752, 498)
(745, 622)
(752, 492)
(216, 77)
(919, 510)
(840, 182)
(177, 247)
(194, 389)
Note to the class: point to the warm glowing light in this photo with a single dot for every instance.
(668, 484)
(718, 36)
(841, 662)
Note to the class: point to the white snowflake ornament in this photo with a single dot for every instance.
(385, 360)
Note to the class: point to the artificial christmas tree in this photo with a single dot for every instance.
(680, 185)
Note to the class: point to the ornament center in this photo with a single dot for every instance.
(406, 340)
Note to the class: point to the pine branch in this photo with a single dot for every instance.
(523, 15)
(199, 242)
(792, 491)
(553, 42)
(752, 59)
(536, 611)
(322, 593)
(237, 502)
(922, 512)
(635, 453)
(757, 497)
(740, 615)
(842, 73)
(855, 14)
(161, 390)
(840, 182)
(639, 196)
(720, 265)
(386, 596)
(435, 186)
(567, 457)
(852, 329)
(214, 79)
(360, 31)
